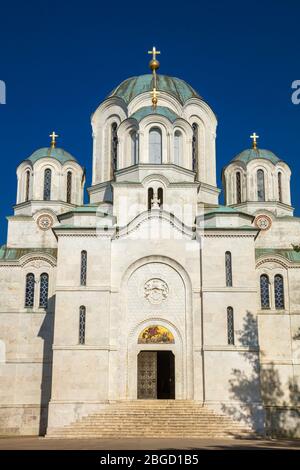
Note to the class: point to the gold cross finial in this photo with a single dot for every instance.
(254, 138)
(53, 141)
(154, 52)
(154, 65)
(154, 93)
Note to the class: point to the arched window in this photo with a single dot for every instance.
(47, 184)
(134, 148)
(150, 197)
(83, 268)
(280, 186)
(195, 146)
(228, 269)
(264, 291)
(260, 185)
(82, 319)
(114, 146)
(160, 196)
(44, 283)
(155, 145)
(238, 188)
(27, 185)
(230, 325)
(69, 187)
(178, 148)
(29, 290)
(279, 292)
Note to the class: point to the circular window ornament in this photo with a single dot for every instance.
(44, 222)
(263, 222)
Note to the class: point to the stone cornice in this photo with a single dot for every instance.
(228, 348)
(228, 289)
(82, 347)
(104, 288)
(218, 232)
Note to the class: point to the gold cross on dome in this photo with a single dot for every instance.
(254, 138)
(154, 93)
(154, 52)
(53, 141)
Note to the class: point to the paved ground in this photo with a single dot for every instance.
(40, 443)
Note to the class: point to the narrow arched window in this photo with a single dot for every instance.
(27, 185)
(150, 197)
(82, 320)
(238, 188)
(230, 325)
(178, 148)
(228, 269)
(155, 145)
(44, 285)
(160, 196)
(264, 291)
(29, 290)
(83, 268)
(47, 184)
(279, 292)
(260, 186)
(114, 146)
(69, 187)
(195, 146)
(134, 148)
(280, 187)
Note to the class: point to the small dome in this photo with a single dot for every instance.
(134, 86)
(59, 154)
(161, 110)
(251, 154)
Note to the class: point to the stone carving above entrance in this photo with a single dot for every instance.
(156, 334)
(156, 290)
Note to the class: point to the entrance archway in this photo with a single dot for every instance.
(156, 375)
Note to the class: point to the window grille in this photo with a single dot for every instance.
(82, 312)
(83, 268)
(279, 291)
(264, 291)
(230, 325)
(47, 184)
(29, 290)
(228, 269)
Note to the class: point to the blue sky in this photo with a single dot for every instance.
(60, 59)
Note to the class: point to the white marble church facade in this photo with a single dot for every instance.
(151, 264)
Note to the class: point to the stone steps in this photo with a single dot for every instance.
(153, 418)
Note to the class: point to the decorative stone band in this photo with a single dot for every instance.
(279, 260)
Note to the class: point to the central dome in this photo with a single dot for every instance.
(134, 86)
(57, 153)
(251, 154)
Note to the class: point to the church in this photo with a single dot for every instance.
(151, 296)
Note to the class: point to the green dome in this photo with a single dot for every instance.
(134, 86)
(161, 110)
(59, 154)
(251, 154)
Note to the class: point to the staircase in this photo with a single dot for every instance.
(154, 419)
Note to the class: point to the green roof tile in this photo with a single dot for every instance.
(290, 254)
(59, 154)
(134, 86)
(251, 154)
(13, 254)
